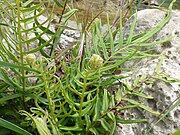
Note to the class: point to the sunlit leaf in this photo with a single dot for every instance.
(119, 120)
(94, 131)
(105, 101)
(141, 106)
(105, 124)
(118, 95)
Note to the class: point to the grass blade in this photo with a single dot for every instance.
(13, 127)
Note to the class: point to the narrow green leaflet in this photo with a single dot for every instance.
(13, 127)
(120, 43)
(58, 3)
(113, 124)
(70, 13)
(4, 76)
(132, 30)
(141, 106)
(118, 62)
(156, 29)
(4, 24)
(42, 41)
(66, 96)
(118, 95)
(95, 43)
(105, 102)
(8, 97)
(126, 107)
(3, 85)
(8, 52)
(94, 131)
(48, 31)
(110, 36)
(40, 47)
(88, 121)
(97, 109)
(56, 39)
(142, 95)
(70, 128)
(102, 44)
(10, 65)
(177, 103)
(122, 121)
(27, 3)
(84, 111)
(111, 80)
(105, 124)
(37, 6)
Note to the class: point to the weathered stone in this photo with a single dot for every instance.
(164, 93)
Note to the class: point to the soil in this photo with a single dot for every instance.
(91, 8)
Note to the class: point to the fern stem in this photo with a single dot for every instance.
(18, 3)
(82, 96)
(50, 102)
(48, 94)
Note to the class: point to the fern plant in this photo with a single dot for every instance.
(23, 37)
(79, 100)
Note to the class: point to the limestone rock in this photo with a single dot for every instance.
(164, 93)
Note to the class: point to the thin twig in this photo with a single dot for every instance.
(60, 19)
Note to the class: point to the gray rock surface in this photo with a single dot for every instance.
(164, 93)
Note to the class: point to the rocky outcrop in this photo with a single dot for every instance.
(166, 89)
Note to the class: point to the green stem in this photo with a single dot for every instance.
(50, 102)
(18, 3)
(82, 96)
(48, 94)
